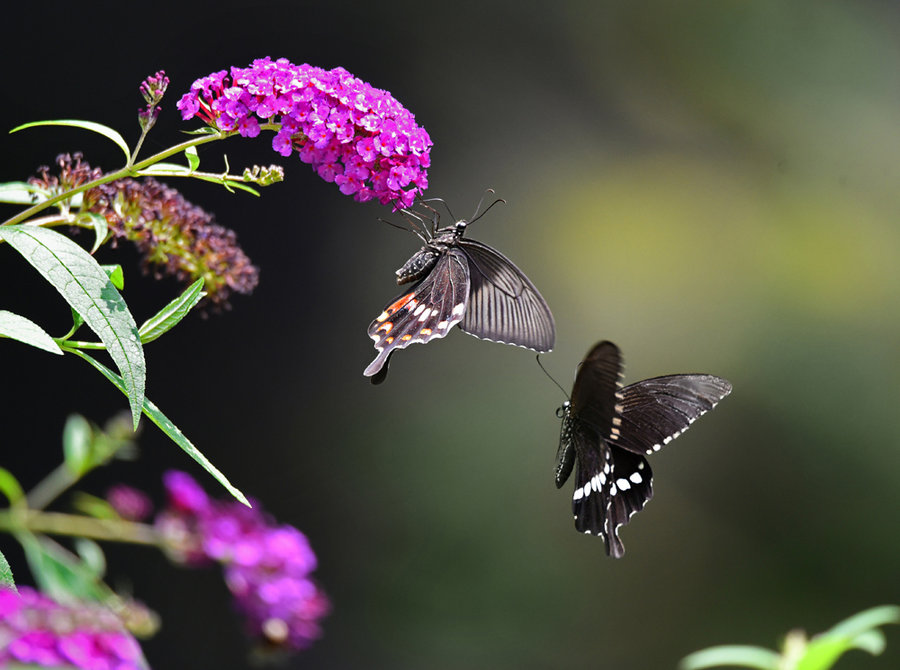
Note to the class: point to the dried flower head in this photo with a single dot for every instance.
(267, 566)
(35, 630)
(176, 237)
(351, 133)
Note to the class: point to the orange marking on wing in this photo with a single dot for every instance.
(381, 317)
(406, 337)
(399, 303)
(389, 339)
(386, 327)
(425, 331)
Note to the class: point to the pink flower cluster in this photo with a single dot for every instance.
(267, 567)
(38, 631)
(351, 133)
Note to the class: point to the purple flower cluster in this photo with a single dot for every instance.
(38, 631)
(351, 133)
(267, 567)
(129, 503)
(153, 88)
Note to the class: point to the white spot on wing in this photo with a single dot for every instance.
(636, 477)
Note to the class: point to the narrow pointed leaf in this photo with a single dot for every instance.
(193, 158)
(106, 131)
(6, 576)
(21, 193)
(25, 330)
(164, 320)
(823, 652)
(165, 424)
(742, 656)
(100, 226)
(59, 573)
(866, 620)
(77, 438)
(166, 169)
(84, 285)
(10, 487)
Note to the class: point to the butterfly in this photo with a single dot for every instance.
(607, 431)
(460, 282)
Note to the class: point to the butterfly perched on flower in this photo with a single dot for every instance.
(607, 430)
(459, 282)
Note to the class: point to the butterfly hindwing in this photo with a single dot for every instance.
(611, 486)
(504, 306)
(429, 310)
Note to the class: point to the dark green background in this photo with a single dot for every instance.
(711, 185)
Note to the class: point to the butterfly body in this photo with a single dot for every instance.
(607, 430)
(425, 258)
(461, 282)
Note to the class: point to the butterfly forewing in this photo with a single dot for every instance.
(429, 310)
(656, 411)
(504, 306)
(596, 384)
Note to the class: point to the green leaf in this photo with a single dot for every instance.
(25, 330)
(169, 428)
(857, 632)
(171, 314)
(166, 169)
(100, 226)
(193, 158)
(77, 439)
(744, 656)
(106, 131)
(93, 506)
(115, 274)
(866, 620)
(92, 556)
(84, 285)
(229, 184)
(22, 193)
(6, 575)
(10, 487)
(58, 573)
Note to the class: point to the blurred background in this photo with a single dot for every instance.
(711, 185)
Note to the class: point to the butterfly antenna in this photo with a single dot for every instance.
(541, 366)
(415, 231)
(476, 215)
(417, 223)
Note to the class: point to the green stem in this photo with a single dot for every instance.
(77, 344)
(55, 523)
(50, 487)
(128, 171)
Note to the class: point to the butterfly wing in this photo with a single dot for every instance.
(656, 411)
(611, 429)
(611, 486)
(504, 306)
(427, 311)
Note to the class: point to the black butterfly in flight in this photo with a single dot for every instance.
(459, 282)
(607, 430)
